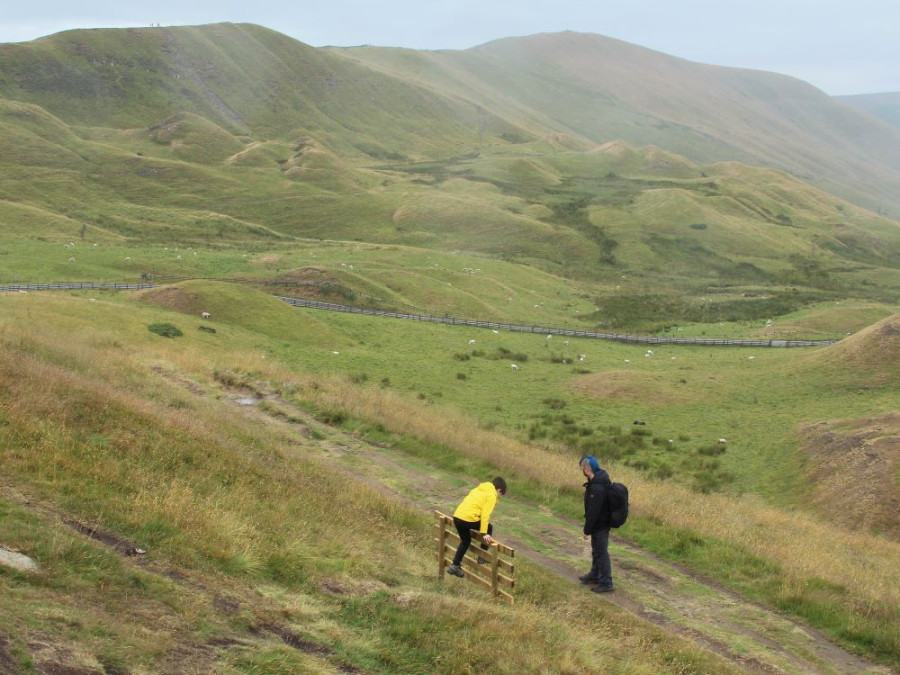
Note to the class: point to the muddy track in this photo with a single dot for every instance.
(669, 595)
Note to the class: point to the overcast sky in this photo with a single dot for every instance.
(839, 46)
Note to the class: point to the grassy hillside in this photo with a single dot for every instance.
(602, 89)
(265, 546)
(885, 107)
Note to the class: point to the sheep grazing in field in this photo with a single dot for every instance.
(513, 366)
(127, 258)
(549, 337)
(722, 441)
(205, 315)
(649, 352)
(582, 357)
(71, 259)
(471, 342)
(495, 332)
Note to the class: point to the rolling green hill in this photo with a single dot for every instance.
(237, 136)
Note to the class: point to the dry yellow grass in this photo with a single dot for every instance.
(805, 547)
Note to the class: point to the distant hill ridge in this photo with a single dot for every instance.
(383, 102)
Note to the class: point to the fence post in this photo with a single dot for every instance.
(442, 541)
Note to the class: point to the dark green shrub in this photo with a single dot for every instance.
(165, 329)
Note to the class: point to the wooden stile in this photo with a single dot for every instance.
(496, 572)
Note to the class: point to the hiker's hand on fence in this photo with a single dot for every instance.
(487, 539)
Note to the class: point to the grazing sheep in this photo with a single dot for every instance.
(471, 342)
(722, 441)
(495, 332)
(513, 366)
(71, 259)
(335, 353)
(582, 357)
(549, 337)
(127, 258)
(205, 315)
(627, 360)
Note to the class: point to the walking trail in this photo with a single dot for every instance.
(669, 595)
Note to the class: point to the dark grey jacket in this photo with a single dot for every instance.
(596, 508)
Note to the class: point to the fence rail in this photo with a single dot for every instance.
(551, 330)
(457, 321)
(499, 570)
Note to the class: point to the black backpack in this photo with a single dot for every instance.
(617, 500)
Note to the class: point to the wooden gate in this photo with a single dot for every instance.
(498, 570)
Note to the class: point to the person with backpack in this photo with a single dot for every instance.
(596, 524)
(474, 513)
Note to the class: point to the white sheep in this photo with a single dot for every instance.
(722, 441)
(205, 315)
(71, 259)
(513, 366)
(582, 357)
(495, 332)
(127, 258)
(471, 342)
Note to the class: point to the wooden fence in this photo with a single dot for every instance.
(498, 570)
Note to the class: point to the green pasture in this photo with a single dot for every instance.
(688, 397)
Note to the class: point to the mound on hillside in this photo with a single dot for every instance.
(875, 347)
(249, 308)
(625, 385)
(854, 467)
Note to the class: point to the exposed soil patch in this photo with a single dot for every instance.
(854, 467)
(292, 639)
(122, 546)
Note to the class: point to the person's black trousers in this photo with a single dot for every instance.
(464, 528)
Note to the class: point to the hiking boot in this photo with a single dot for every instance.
(456, 571)
(602, 589)
(587, 578)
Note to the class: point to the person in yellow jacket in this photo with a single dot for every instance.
(475, 513)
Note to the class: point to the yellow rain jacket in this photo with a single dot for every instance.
(478, 505)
